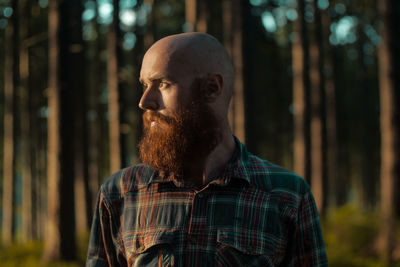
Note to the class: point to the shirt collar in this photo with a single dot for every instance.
(239, 162)
(235, 169)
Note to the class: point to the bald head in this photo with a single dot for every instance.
(188, 81)
(199, 54)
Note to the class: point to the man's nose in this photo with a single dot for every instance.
(150, 100)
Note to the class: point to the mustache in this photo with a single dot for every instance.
(149, 116)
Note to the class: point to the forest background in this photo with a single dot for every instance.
(317, 90)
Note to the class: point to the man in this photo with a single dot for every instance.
(199, 198)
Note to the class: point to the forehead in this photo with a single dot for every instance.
(159, 64)
(166, 63)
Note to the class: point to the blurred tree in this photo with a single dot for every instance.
(191, 14)
(54, 176)
(113, 65)
(301, 93)
(205, 16)
(95, 153)
(37, 83)
(11, 77)
(389, 86)
(317, 120)
(196, 15)
(233, 41)
(137, 53)
(367, 182)
(330, 101)
(150, 32)
(83, 205)
(27, 222)
(63, 52)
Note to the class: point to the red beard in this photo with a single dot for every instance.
(179, 139)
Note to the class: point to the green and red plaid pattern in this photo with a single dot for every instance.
(254, 214)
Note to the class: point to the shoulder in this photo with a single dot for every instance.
(267, 176)
(274, 178)
(126, 179)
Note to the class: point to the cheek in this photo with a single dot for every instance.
(178, 97)
(174, 102)
(186, 100)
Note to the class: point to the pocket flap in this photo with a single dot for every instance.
(250, 242)
(139, 243)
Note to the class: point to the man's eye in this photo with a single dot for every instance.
(144, 86)
(163, 85)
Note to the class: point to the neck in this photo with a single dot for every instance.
(203, 170)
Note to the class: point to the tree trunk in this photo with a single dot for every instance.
(191, 15)
(38, 158)
(11, 49)
(94, 129)
(113, 87)
(63, 52)
(301, 85)
(334, 181)
(53, 239)
(27, 199)
(196, 15)
(213, 10)
(389, 87)
(38, 152)
(41, 191)
(138, 53)
(34, 155)
(367, 182)
(317, 92)
(233, 41)
(150, 32)
(83, 208)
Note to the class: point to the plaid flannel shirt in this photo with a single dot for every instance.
(254, 214)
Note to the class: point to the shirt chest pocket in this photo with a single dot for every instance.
(238, 247)
(150, 248)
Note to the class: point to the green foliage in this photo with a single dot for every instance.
(350, 236)
(30, 255)
(83, 241)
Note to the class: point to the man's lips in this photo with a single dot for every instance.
(154, 118)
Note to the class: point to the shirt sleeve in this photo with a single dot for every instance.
(104, 247)
(309, 249)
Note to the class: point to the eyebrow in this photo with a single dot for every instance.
(158, 77)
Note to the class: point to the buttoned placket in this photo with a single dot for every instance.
(197, 216)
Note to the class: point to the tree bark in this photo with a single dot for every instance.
(316, 93)
(389, 86)
(10, 77)
(138, 53)
(60, 236)
(196, 15)
(191, 14)
(27, 199)
(150, 32)
(233, 41)
(53, 240)
(334, 181)
(83, 208)
(367, 184)
(301, 88)
(113, 87)
(94, 130)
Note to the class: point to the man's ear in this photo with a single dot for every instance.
(213, 87)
